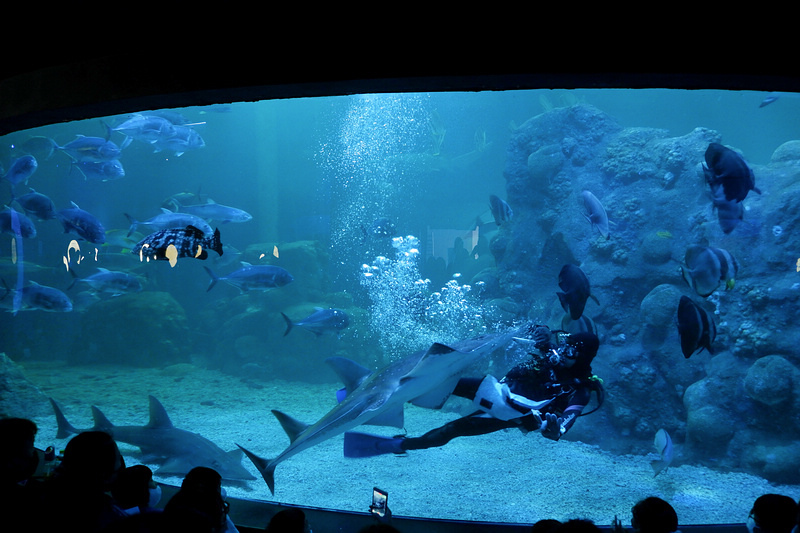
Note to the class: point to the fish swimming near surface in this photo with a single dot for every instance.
(177, 450)
(577, 290)
(595, 213)
(21, 169)
(425, 378)
(27, 229)
(82, 223)
(706, 267)
(91, 149)
(146, 128)
(168, 219)
(185, 242)
(35, 297)
(727, 168)
(321, 321)
(253, 277)
(183, 138)
(769, 99)
(217, 212)
(696, 327)
(37, 205)
(501, 211)
(663, 446)
(112, 282)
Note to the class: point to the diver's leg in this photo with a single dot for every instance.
(463, 427)
(467, 387)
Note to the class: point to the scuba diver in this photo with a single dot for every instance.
(548, 392)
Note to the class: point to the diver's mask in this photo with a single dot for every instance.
(565, 355)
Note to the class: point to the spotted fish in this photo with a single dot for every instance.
(185, 242)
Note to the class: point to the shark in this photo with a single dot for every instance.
(177, 450)
(425, 378)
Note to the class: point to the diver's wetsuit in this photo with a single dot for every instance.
(569, 389)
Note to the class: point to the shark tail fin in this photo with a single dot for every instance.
(65, 429)
(291, 426)
(289, 324)
(265, 466)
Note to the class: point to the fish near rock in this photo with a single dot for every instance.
(696, 328)
(729, 212)
(501, 211)
(174, 243)
(706, 267)
(727, 168)
(577, 290)
(595, 213)
(321, 321)
(663, 447)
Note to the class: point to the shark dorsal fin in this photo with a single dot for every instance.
(101, 422)
(158, 415)
(436, 350)
(65, 429)
(350, 373)
(291, 426)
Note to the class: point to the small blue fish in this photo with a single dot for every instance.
(501, 211)
(253, 277)
(663, 446)
(320, 322)
(21, 169)
(83, 224)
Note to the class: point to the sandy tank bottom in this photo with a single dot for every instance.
(505, 477)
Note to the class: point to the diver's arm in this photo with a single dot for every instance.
(554, 427)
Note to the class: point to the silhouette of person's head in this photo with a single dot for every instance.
(654, 515)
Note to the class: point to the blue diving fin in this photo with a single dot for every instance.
(366, 445)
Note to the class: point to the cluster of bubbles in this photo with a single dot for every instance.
(365, 160)
(406, 315)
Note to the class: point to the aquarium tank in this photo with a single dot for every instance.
(288, 289)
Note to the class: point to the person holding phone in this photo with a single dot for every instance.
(546, 393)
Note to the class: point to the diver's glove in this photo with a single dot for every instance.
(542, 338)
(551, 427)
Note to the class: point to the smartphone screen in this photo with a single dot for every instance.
(379, 501)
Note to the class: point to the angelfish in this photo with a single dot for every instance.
(663, 446)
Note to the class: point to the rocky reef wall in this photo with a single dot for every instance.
(737, 408)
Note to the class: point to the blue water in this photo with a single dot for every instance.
(316, 173)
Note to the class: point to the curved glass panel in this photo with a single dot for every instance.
(369, 228)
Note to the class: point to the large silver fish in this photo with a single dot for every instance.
(425, 378)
